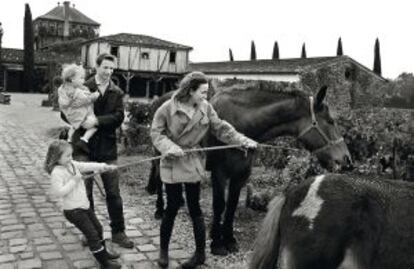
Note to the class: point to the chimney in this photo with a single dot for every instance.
(66, 8)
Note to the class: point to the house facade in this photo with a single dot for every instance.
(62, 23)
(11, 78)
(350, 83)
(57, 38)
(147, 66)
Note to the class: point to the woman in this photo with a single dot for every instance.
(180, 124)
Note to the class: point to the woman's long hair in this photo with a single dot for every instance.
(54, 153)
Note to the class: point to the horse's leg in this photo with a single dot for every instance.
(160, 202)
(219, 185)
(235, 186)
(151, 187)
(155, 186)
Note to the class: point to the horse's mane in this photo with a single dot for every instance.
(281, 87)
(261, 91)
(249, 91)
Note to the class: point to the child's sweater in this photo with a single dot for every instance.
(75, 103)
(72, 191)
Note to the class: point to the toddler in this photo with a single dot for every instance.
(76, 102)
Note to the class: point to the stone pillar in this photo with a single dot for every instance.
(1, 62)
(66, 8)
(147, 89)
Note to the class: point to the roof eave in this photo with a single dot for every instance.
(250, 73)
(120, 43)
(365, 68)
(62, 20)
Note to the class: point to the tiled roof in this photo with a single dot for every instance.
(58, 13)
(281, 66)
(141, 40)
(294, 65)
(15, 56)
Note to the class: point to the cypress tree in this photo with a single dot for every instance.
(275, 55)
(253, 52)
(377, 58)
(28, 55)
(303, 55)
(231, 55)
(339, 51)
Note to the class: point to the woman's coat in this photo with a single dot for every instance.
(172, 127)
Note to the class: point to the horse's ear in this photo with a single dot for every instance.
(212, 88)
(320, 96)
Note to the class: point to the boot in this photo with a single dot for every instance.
(104, 262)
(84, 241)
(163, 259)
(167, 225)
(122, 240)
(197, 259)
(199, 256)
(112, 255)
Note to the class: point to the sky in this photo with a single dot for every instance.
(213, 27)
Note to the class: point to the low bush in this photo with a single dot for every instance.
(379, 139)
(135, 137)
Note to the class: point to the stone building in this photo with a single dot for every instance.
(147, 66)
(350, 83)
(62, 23)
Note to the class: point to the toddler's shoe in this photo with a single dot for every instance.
(82, 145)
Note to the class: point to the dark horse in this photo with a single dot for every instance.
(336, 221)
(262, 112)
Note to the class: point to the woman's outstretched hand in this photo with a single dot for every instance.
(250, 144)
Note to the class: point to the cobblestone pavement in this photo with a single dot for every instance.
(33, 232)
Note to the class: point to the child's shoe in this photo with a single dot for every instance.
(82, 145)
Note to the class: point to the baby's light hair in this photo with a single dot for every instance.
(69, 72)
(54, 153)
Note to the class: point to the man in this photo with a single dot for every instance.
(109, 111)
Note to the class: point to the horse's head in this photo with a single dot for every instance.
(317, 130)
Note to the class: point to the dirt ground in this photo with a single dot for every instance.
(246, 224)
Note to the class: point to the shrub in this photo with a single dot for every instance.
(136, 136)
(139, 112)
(378, 138)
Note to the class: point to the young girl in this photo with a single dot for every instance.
(68, 185)
(76, 102)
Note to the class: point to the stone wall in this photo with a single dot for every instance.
(349, 86)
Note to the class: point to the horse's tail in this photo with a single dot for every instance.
(266, 247)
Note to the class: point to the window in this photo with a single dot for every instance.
(145, 55)
(173, 55)
(60, 29)
(349, 73)
(114, 51)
